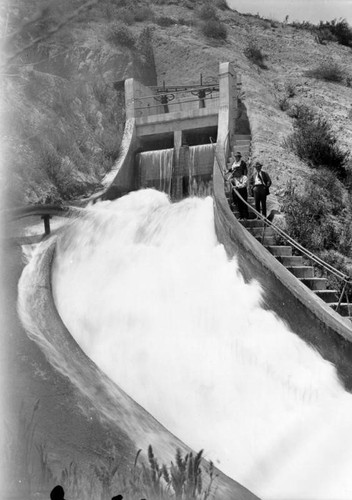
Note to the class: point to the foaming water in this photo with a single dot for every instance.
(149, 294)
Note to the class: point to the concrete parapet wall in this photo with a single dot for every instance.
(179, 120)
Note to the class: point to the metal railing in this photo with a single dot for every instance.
(344, 278)
(163, 98)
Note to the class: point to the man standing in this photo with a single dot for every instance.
(260, 183)
(239, 184)
(238, 165)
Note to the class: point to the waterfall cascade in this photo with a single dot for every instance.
(155, 169)
(201, 158)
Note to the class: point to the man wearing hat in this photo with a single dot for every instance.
(259, 184)
(237, 169)
(238, 164)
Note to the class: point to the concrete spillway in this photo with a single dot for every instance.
(150, 296)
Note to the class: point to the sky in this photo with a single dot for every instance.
(297, 10)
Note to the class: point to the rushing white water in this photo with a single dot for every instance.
(149, 294)
(156, 166)
(200, 158)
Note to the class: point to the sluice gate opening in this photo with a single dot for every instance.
(173, 151)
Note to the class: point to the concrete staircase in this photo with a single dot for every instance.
(296, 265)
(284, 253)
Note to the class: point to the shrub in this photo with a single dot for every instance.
(284, 103)
(100, 91)
(314, 141)
(254, 54)
(212, 28)
(321, 220)
(329, 71)
(183, 479)
(184, 22)
(304, 25)
(207, 12)
(127, 16)
(339, 29)
(165, 21)
(312, 217)
(119, 34)
(324, 35)
(289, 92)
(221, 4)
(290, 89)
(143, 14)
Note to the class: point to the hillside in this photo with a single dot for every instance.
(63, 113)
(62, 123)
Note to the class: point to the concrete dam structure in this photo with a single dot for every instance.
(169, 318)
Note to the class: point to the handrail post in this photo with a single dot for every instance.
(340, 299)
(46, 219)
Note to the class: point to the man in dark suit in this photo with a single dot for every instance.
(259, 184)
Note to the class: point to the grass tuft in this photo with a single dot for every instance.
(254, 54)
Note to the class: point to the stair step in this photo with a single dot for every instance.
(243, 150)
(302, 271)
(241, 146)
(345, 308)
(242, 142)
(253, 224)
(251, 215)
(240, 137)
(244, 153)
(258, 231)
(327, 295)
(266, 241)
(293, 260)
(279, 249)
(314, 283)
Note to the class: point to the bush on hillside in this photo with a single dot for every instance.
(119, 34)
(314, 141)
(283, 103)
(126, 16)
(213, 28)
(313, 217)
(303, 25)
(185, 22)
(289, 92)
(320, 219)
(254, 54)
(143, 14)
(329, 71)
(184, 479)
(290, 89)
(207, 12)
(324, 35)
(165, 21)
(221, 4)
(339, 29)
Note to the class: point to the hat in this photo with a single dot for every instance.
(238, 153)
(258, 164)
